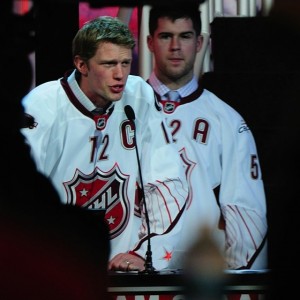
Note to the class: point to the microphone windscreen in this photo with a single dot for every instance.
(129, 112)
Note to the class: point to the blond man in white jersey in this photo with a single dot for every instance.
(83, 140)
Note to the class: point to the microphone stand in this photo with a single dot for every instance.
(149, 269)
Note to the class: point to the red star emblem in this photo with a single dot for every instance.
(168, 255)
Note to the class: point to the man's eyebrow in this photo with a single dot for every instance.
(112, 61)
(165, 32)
(106, 61)
(187, 32)
(171, 33)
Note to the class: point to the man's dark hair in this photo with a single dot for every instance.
(175, 12)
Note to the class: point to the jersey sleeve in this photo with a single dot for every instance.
(242, 196)
(36, 105)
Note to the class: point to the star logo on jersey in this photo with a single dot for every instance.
(168, 255)
(106, 190)
(189, 165)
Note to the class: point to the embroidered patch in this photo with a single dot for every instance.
(106, 190)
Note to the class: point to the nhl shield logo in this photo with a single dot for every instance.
(101, 121)
(169, 106)
(106, 190)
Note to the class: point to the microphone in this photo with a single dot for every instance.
(149, 269)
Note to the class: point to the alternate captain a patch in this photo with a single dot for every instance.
(105, 190)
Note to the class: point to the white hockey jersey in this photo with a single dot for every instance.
(91, 160)
(224, 175)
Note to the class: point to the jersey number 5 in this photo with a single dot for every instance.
(254, 166)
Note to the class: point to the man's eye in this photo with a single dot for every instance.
(165, 36)
(186, 36)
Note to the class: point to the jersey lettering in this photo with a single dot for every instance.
(201, 128)
(165, 133)
(127, 134)
(254, 167)
(94, 142)
(175, 124)
(104, 200)
(199, 131)
(105, 142)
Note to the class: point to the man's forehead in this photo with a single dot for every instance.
(167, 25)
(108, 50)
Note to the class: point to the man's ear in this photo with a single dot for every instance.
(199, 42)
(150, 43)
(80, 65)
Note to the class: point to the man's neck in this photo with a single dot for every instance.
(174, 83)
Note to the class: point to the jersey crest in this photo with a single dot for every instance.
(105, 190)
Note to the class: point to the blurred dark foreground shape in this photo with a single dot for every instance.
(47, 250)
